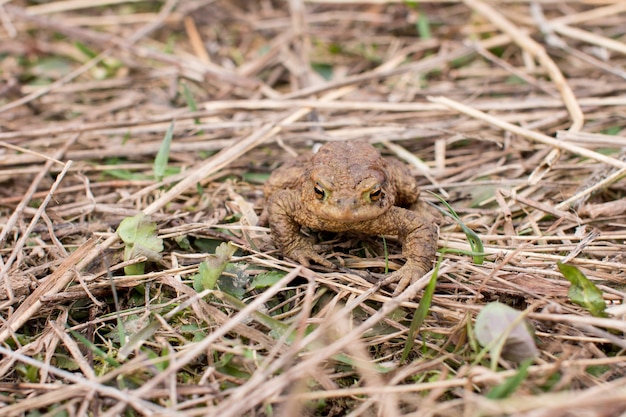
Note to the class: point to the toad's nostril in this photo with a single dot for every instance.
(347, 201)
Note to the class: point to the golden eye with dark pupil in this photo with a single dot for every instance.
(319, 191)
(376, 194)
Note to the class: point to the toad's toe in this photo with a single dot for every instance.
(304, 258)
(405, 276)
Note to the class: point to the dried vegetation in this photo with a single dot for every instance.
(513, 111)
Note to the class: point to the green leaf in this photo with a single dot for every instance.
(139, 235)
(504, 332)
(125, 174)
(510, 385)
(266, 279)
(582, 291)
(197, 333)
(51, 67)
(66, 362)
(324, 70)
(29, 372)
(183, 242)
(159, 360)
(235, 281)
(211, 269)
(613, 130)
(598, 370)
(335, 48)
(206, 245)
(160, 162)
(138, 268)
(205, 278)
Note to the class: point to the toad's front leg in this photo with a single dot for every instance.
(419, 231)
(283, 207)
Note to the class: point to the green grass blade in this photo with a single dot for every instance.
(475, 243)
(160, 162)
(95, 349)
(421, 312)
(510, 385)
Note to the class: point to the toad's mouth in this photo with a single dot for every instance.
(350, 214)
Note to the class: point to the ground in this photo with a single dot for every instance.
(169, 116)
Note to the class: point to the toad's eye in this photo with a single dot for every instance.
(375, 193)
(320, 193)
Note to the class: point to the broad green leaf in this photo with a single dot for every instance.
(139, 235)
(235, 281)
(204, 279)
(197, 332)
(135, 269)
(211, 269)
(160, 162)
(504, 332)
(206, 245)
(183, 242)
(266, 279)
(582, 291)
(50, 67)
(65, 362)
(324, 70)
(29, 372)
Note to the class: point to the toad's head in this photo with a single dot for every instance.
(347, 182)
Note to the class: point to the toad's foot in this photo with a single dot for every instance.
(306, 253)
(408, 274)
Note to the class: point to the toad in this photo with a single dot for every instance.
(349, 187)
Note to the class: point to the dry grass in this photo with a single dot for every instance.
(514, 112)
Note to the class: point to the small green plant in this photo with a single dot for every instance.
(582, 291)
(139, 235)
(212, 268)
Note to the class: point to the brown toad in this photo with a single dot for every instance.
(350, 187)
